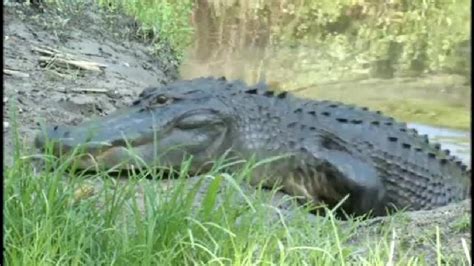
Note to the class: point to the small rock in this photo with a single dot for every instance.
(113, 94)
(5, 99)
(6, 125)
(83, 99)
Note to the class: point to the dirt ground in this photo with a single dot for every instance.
(100, 66)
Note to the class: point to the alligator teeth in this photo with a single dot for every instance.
(251, 91)
(65, 139)
(282, 94)
(100, 143)
(268, 93)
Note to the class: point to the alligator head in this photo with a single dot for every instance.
(165, 124)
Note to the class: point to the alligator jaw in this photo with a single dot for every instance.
(89, 154)
(135, 139)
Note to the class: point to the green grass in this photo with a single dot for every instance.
(54, 217)
(166, 20)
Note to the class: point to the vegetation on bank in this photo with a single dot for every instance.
(386, 36)
(378, 36)
(383, 37)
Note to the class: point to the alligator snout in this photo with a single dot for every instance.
(89, 151)
(56, 135)
(51, 133)
(65, 138)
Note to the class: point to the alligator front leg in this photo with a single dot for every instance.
(330, 175)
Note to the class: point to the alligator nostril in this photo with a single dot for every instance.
(119, 142)
(55, 128)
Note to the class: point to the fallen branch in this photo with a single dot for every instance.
(51, 52)
(52, 56)
(80, 64)
(86, 90)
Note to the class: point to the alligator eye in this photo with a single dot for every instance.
(161, 99)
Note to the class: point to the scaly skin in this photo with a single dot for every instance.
(332, 149)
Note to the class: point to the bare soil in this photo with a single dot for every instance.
(66, 66)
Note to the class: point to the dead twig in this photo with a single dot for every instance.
(55, 57)
(69, 63)
(86, 90)
(51, 52)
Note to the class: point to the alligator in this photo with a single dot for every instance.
(325, 151)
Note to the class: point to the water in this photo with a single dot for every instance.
(298, 43)
(458, 142)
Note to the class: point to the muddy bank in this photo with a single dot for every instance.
(69, 66)
(64, 67)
